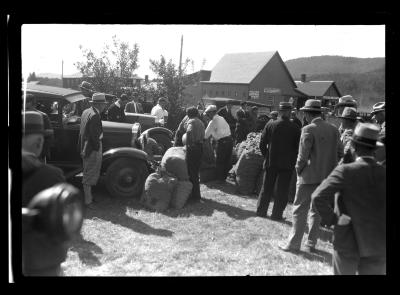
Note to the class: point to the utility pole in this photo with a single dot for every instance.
(180, 68)
(62, 73)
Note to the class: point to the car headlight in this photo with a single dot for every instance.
(57, 211)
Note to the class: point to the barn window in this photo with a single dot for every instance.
(216, 93)
(222, 93)
(244, 94)
(235, 93)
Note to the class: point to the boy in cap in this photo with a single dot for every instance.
(219, 129)
(279, 145)
(358, 192)
(90, 144)
(40, 255)
(116, 111)
(319, 151)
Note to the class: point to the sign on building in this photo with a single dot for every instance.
(254, 94)
(272, 90)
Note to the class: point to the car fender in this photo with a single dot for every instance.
(154, 130)
(126, 152)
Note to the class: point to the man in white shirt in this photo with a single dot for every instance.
(160, 112)
(219, 129)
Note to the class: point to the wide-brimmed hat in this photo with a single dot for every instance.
(367, 134)
(33, 124)
(312, 105)
(284, 106)
(347, 101)
(274, 113)
(378, 107)
(349, 113)
(98, 97)
(211, 108)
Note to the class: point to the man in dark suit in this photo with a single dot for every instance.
(226, 113)
(242, 124)
(116, 112)
(295, 120)
(358, 192)
(90, 144)
(40, 255)
(279, 145)
(134, 106)
(319, 152)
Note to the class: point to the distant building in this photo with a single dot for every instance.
(326, 91)
(192, 92)
(73, 81)
(259, 76)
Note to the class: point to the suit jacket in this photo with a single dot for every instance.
(130, 107)
(297, 122)
(90, 130)
(362, 196)
(39, 251)
(279, 144)
(229, 118)
(116, 113)
(319, 151)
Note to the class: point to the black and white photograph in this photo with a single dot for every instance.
(199, 150)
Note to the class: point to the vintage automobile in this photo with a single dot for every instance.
(125, 168)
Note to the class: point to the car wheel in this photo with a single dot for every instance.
(163, 142)
(125, 177)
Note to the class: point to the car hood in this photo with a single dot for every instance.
(116, 127)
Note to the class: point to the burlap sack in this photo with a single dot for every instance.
(181, 194)
(158, 191)
(248, 169)
(174, 162)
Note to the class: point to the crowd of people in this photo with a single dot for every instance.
(340, 172)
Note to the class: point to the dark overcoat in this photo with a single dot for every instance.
(279, 144)
(90, 129)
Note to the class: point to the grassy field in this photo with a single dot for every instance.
(221, 236)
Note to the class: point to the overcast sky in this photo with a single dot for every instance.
(45, 46)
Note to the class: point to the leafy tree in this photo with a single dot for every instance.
(170, 86)
(32, 77)
(109, 70)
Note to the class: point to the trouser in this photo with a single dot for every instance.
(271, 176)
(301, 206)
(351, 264)
(193, 160)
(292, 187)
(224, 157)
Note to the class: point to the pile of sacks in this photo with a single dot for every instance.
(248, 170)
(169, 186)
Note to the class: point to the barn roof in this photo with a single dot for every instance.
(240, 67)
(315, 88)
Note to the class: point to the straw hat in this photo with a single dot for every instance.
(378, 107)
(367, 134)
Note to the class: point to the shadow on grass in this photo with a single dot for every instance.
(86, 250)
(229, 187)
(114, 211)
(207, 207)
(319, 255)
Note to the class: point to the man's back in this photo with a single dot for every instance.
(282, 136)
(116, 113)
(318, 151)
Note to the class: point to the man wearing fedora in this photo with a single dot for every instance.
(116, 112)
(279, 145)
(90, 144)
(219, 129)
(319, 151)
(359, 212)
(378, 115)
(349, 123)
(345, 101)
(30, 105)
(40, 255)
